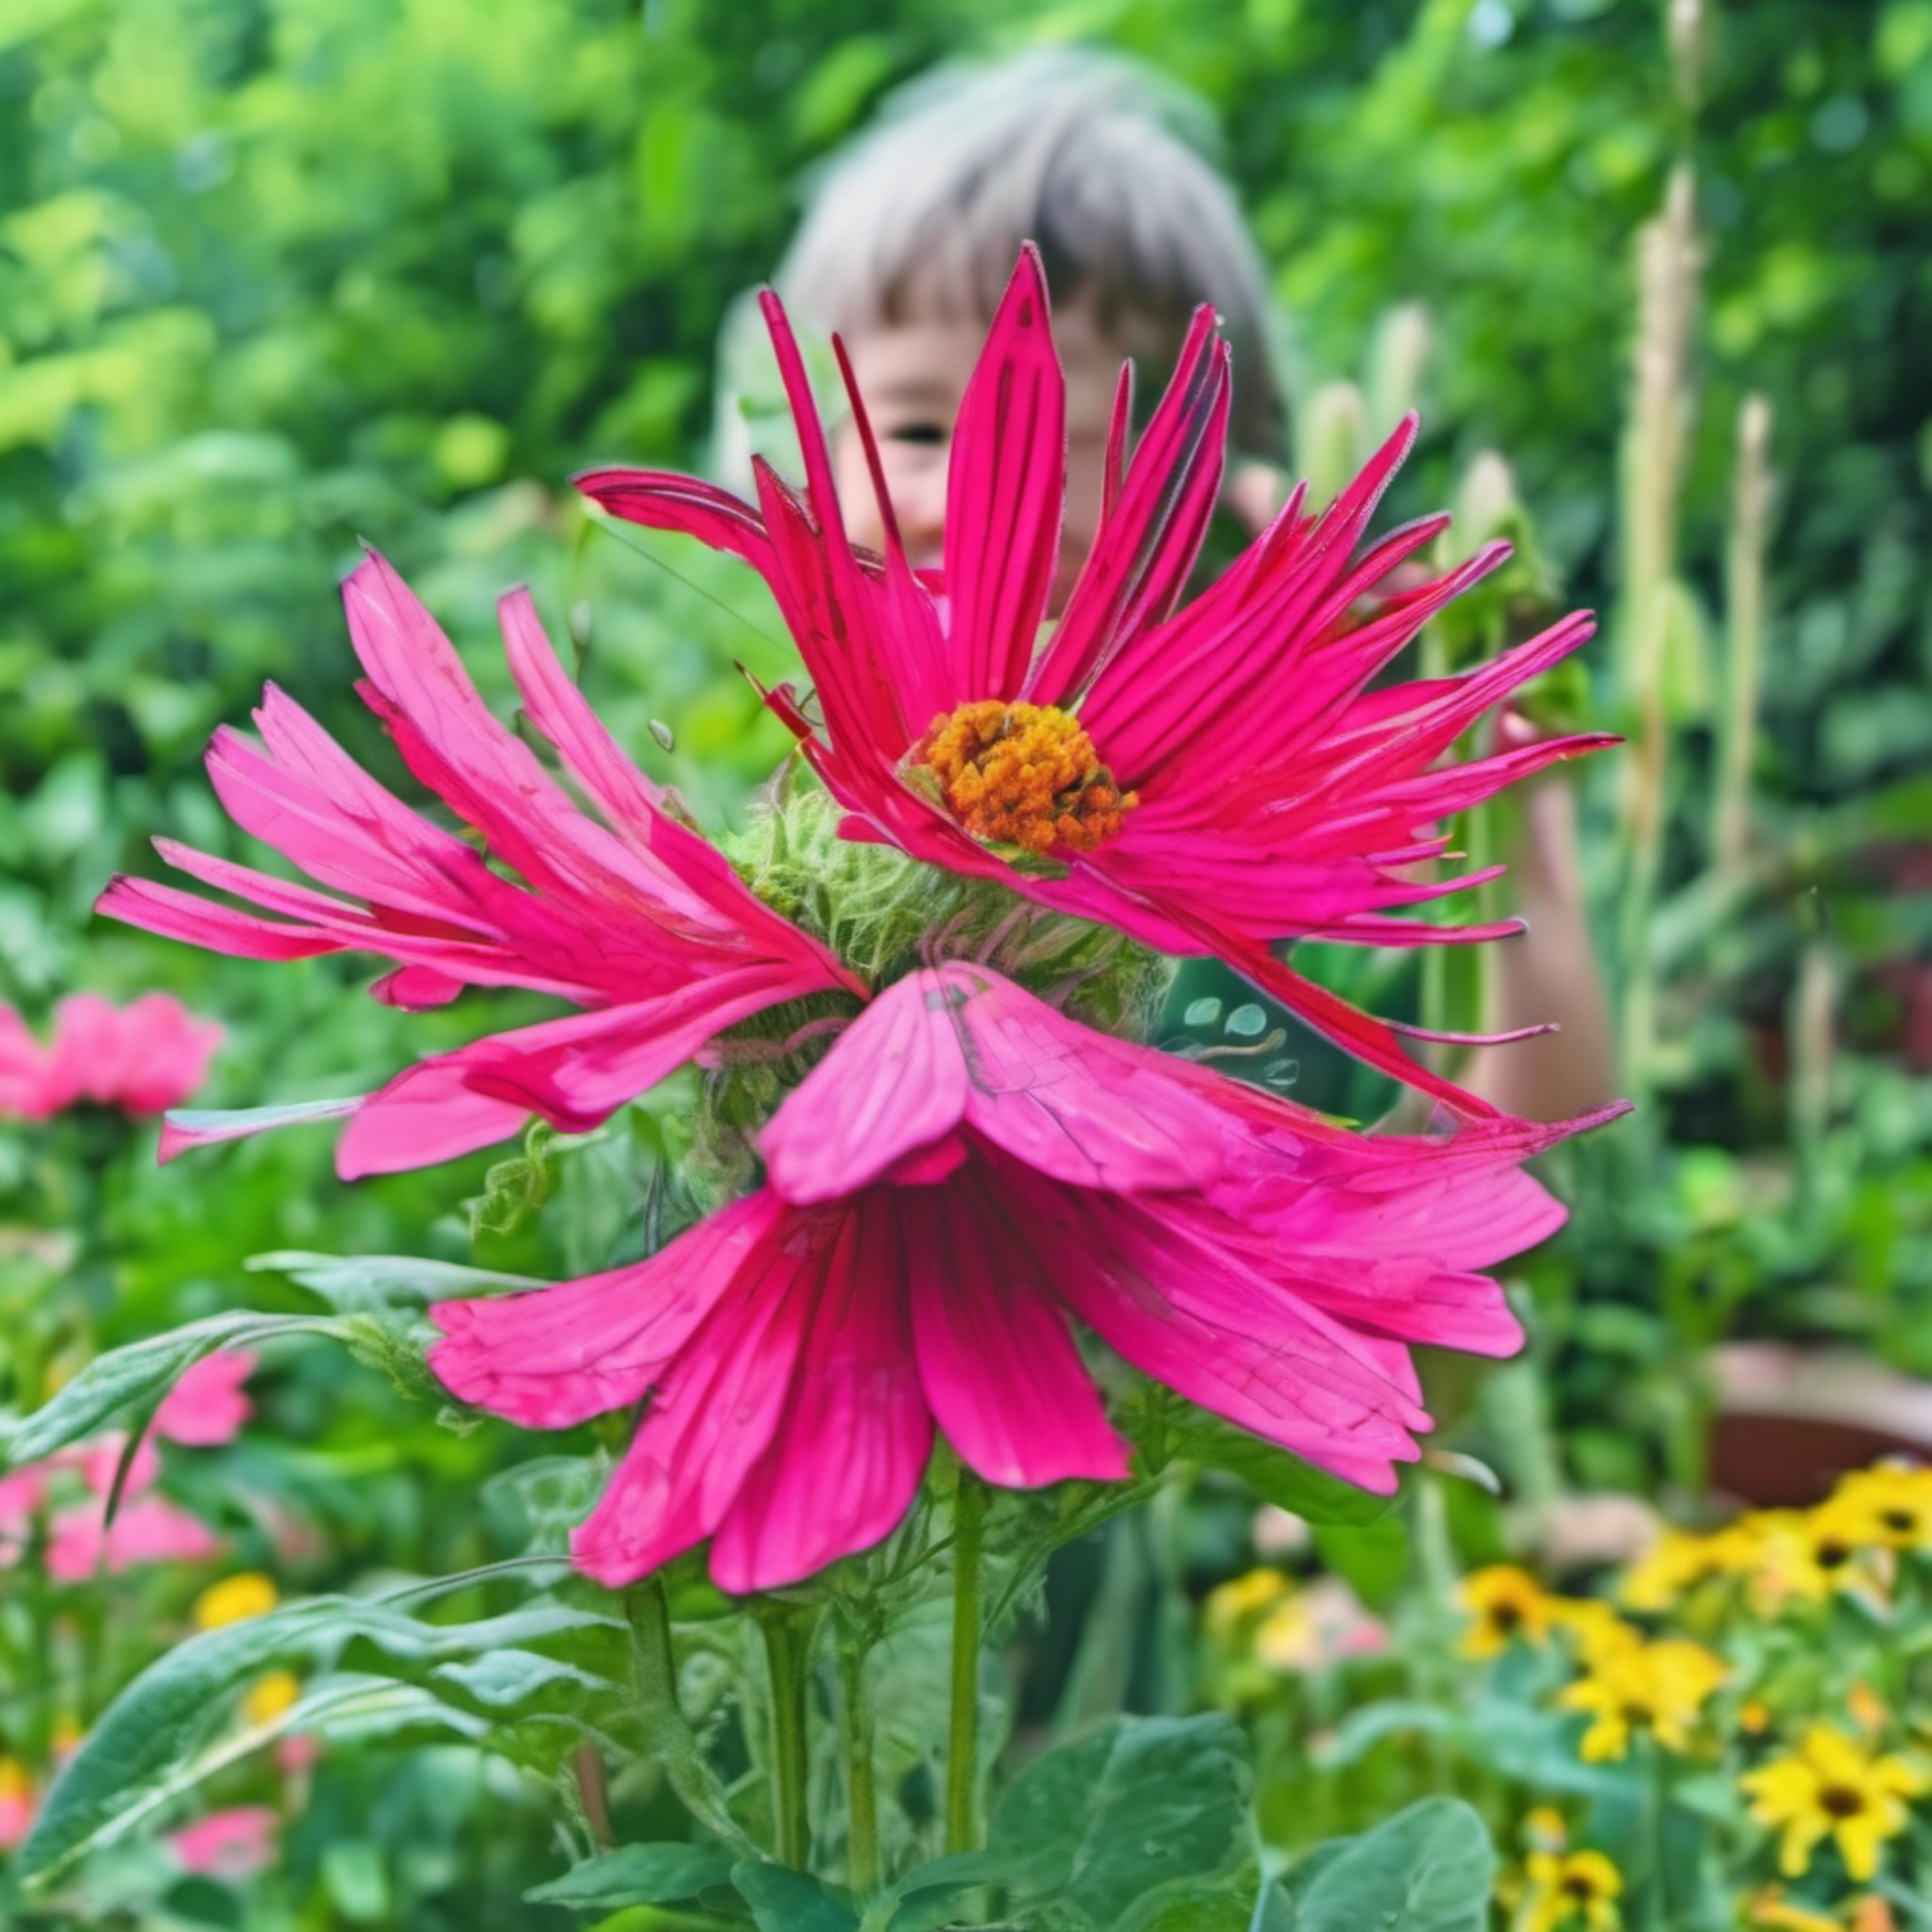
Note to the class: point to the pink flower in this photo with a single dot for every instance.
(231, 1844)
(636, 919)
(146, 1529)
(963, 1171)
(1213, 778)
(16, 1802)
(207, 1406)
(143, 1058)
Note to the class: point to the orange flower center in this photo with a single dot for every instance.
(1023, 775)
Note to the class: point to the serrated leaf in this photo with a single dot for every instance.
(1273, 1474)
(181, 1709)
(1108, 1822)
(789, 1902)
(638, 1875)
(138, 1375)
(1430, 1869)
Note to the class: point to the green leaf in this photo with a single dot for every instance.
(638, 1875)
(139, 1374)
(1110, 1823)
(360, 1282)
(1430, 1869)
(500, 1680)
(789, 1902)
(1273, 1474)
(181, 1711)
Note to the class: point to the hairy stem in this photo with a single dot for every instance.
(862, 1794)
(653, 1677)
(785, 1653)
(962, 1730)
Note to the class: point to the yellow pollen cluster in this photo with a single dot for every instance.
(1025, 774)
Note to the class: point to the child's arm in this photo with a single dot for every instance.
(1550, 972)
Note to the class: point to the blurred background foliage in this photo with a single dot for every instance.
(276, 278)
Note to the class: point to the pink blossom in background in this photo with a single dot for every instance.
(965, 1170)
(22, 1062)
(209, 1405)
(1228, 775)
(233, 1845)
(632, 917)
(146, 1529)
(143, 1058)
(16, 1802)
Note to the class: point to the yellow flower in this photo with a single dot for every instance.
(1503, 1603)
(1544, 1829)
(1231, 1604)
(234, 1600)
(1597, 1629)
(1657, 1687)
(1673, 1565)
(1811, 1555)
(1890, 1505)
(1831, 1786)
(1569, 1890)
(269, 1695)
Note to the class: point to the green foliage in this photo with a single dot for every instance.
(1430, 1869)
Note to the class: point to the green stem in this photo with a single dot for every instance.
(654, 1675)
(785, 1658)
(862, 1794)
(962, 1731)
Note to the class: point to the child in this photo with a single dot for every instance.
(904, 252)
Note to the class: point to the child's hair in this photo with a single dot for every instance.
(1085, 154)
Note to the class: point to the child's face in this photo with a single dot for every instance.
(912, 376)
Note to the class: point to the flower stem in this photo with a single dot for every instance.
(962, 1732)
(862, 1795)
(654, 1675)
(785, 1658)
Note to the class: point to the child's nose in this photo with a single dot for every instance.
(921, 503)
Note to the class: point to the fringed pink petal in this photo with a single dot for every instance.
(1001, 1373)
(556, 1357)
(846, 1458)
(1145, 547)
(715, 1408)
(1005, 493)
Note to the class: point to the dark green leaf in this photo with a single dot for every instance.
(1273, 1474)
(1109, 1820)
(791, 1901)
(1430, 1869)
(638, 1875)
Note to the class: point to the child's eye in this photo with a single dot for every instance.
(927, 434)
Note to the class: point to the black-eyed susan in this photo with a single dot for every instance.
(1678, 1561)
(1832, 1786)
(1571, 1891)
(1658, 1689)
(1504, 1604)
(1889, 1505)
(1593, 1627)
(1811, 1555)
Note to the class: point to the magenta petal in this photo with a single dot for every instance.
(713, 1409)
(961, 1042)
(1000, 1371)
(847, 1455)
(556, 1357)
(1005, 493)
(893, 1082)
